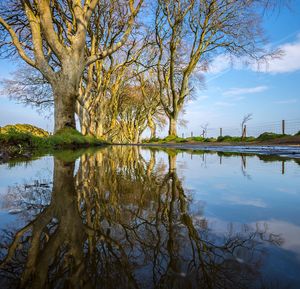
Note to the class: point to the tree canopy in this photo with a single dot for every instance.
(123, 65)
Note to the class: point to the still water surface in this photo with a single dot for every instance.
(131, 217)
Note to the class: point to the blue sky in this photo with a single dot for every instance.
(231, 91)
(271, 93)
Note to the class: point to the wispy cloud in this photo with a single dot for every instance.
(224, 103)
(238, 200)
(286, 101)
(244, 90)
(290, 232)
(288, 62)
(220, 63)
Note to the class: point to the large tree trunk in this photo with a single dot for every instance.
(95, 127)
(83, 118)
(172, 163)
(153, 131)
(173, 125)
(64, 109)
(152, 127)
(99, 130)
(136, 137)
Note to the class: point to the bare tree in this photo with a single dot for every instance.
(55, 38)
(190, 33)
(30, 88)
(118, 96)
(204, 129)
(246, 118)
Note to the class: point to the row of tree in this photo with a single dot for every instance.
(124, 65)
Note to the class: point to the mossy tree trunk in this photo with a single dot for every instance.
(64, 110)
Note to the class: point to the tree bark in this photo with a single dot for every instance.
(153, 131)
(95, 126)
(136, 137)
(64, 109)
(152, 127)
(172, 163)
(99, 130)
(173, 125)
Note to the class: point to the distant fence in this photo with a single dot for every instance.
(290, 126)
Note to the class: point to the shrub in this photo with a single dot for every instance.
(249, 138)
(176, 139)
(196, 138)
(298, 133)
(25, 128)
(13, 137)
(211, 139)
(170, 138)
(64, 138)
(269, 136)
(180, 139)
(154, 139)
(228, 138)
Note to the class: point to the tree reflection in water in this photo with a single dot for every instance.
(123, 222)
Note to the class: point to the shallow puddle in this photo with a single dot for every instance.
(132, 217)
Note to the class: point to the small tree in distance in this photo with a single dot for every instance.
(246, 118)
(204, 129)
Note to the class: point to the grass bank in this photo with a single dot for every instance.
(264, 138)
(15, 142)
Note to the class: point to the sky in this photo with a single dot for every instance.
(231, 90)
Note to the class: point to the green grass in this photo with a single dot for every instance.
(24, 128)
(226, 139)
(19, 139)
(168, 139)
(196, 138)
(269, 136)
(176, 139)
(70, 137)
(67, 138)
(210, 139)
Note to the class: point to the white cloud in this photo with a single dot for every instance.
(288, 231)
(289, 62)
(238, 200)
(220, 63)
(245, 90)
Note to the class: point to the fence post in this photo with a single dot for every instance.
(282, 167)
(221, 131)
(283, 126)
